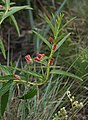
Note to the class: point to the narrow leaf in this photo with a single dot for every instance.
(4, 101)
(5, 88)
(61, 72)
(6, 70)
(2, 48)
(62, 41)
(6, 77)
(15, 23)
(13, 10)
(30, 94)
(43, 39)
(49, 23)
(28, 72)
(7, 4)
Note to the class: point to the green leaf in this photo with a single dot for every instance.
(13, 10)
(1, 13)
(6, 70)
(2, 48)
(62, 41)
(43, 39)
(28, 72)
(5, 88)
(68, 22)
(61, 72)
(6, 77)
(29, 94)
(3, 1)
(4, 101)
(7, 3)
(50, 24)
(58, 21)
(15, 23)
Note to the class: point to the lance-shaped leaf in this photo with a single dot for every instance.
(2, 48)
(4, 94)
(61, 72)
(6, 70)
(62, 41)
(43, 39)
(13, 10)
(28, 72)
(7, 3)
(29, 94)
(5, 88)
(6, 77)
(15, 23)
(4, 101)
(50, 24)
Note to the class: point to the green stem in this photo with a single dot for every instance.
(23, 81)
(48, 67)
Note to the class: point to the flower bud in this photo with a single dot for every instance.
(37, 59)
(54, 46)
(50, 39)
(16, 77)
(40, 55)
(51, 61)
(28, 59)
(1, 6)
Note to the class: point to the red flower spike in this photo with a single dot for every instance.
(54, 46)
(28, 59)
(37, 59)
(16, 77)
(51, 61)
(50, 39)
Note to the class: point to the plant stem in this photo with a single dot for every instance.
(48, 66)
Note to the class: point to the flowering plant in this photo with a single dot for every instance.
(36, 77)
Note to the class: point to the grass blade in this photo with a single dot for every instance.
(2, 48)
